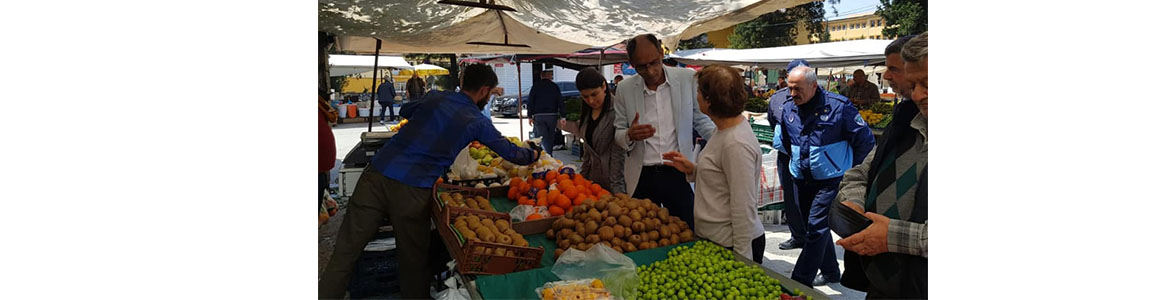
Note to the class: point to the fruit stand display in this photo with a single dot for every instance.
(506, 236)
(619, 222)
(502, 259)
(709, 271)
(878, 115)
(756, 279)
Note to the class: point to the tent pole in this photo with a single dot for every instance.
(519, 96)
(377, 52)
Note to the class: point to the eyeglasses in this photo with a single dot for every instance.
(644, 67)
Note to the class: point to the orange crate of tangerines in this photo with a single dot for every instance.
(557, 191)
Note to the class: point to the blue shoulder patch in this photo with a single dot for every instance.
(857, 118)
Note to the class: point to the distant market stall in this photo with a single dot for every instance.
(503, 260)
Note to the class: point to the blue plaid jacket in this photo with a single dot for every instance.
(441, 125)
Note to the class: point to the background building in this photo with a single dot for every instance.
(859, 26)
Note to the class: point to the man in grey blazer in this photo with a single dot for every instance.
(655, 113)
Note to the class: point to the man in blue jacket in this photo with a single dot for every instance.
(386, 94)
(397, 183)
(796, 214)
(825, 136)
(545, 107)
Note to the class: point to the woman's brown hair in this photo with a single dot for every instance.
(722, 87)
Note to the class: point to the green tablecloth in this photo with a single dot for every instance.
(523, 285)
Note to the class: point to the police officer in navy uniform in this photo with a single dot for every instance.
(825, 136)
(796, 214)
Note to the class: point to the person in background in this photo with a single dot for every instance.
(487, 109)
(727, 173)
(397, 183)
(386, 96)
(326, 147)
(862, 93)
(655, 113)
(897, 187)
(826, 136)
(415, 87)
(546, 108)
(613, 87)
(845, 89)
(797, 215)
(603, 158)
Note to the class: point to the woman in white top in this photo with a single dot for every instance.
(727, 175)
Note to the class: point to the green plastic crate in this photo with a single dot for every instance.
(763, 133)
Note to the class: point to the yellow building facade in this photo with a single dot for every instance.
(720, 38)
(860, 26)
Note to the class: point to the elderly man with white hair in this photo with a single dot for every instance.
(826, 136)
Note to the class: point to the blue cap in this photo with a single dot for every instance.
(796, 63)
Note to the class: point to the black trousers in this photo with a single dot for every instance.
(757, 249)
(666, 186)
(385, 107)
(322, 186)
(374, 198)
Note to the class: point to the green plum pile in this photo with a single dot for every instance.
(707, 271)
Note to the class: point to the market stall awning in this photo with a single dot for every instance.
(578, 60)
(341, 65)
(823, 55)
(542, 26)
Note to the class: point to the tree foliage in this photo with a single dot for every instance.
(903, 17)
(779, 28)
(698, 42)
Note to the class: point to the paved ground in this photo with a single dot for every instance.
(781, 261)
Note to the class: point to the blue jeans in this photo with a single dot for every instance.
(818, 252)
(546, 127)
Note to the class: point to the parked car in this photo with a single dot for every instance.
(506, 104)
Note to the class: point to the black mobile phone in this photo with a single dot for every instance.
(845, 221)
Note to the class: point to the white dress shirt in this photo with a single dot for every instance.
(660, 114)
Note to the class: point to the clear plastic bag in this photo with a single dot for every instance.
(583, 289)
(617, 271)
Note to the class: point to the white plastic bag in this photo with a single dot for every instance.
(618, 272)
(520, 213)
(770, 189)
(452, 292)
(465, 168)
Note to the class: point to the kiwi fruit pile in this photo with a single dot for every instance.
(475, 228)
(620, 222)
(457, 200)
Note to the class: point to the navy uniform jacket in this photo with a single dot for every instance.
(833, 139)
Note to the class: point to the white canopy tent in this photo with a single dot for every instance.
(535, 27)
(341, 65)
(823, 55)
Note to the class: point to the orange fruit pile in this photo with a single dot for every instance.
(571, 190)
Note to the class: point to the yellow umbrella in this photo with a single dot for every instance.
(425, 70)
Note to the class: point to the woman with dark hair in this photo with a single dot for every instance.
(727, 171)
(603, 157)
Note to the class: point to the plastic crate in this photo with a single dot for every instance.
(764, 133)
(375, 275)
(470, 261)
(467, 192)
